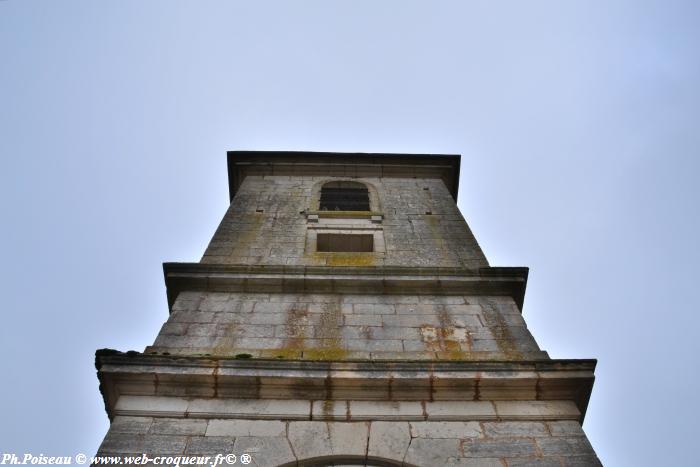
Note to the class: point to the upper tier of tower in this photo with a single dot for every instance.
(343, 209)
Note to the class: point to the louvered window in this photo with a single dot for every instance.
(344, 196)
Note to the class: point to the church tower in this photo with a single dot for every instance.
(344, 314)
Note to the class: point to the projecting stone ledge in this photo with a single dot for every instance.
(503, 281)
(135, 374)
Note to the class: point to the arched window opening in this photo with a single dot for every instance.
(344, 196)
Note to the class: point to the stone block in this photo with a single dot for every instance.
(415, 308)
(478, 462)
(442, 299)
(319, 439)
(565, 428)
(373, 345)
(349, 438)
(174, 329)
(210, 445)
(514, 429)
(265, 451)
(235, 428)
(309, 439)
(389, 440)
(460, 410)
(581, 461)
(258, 343)
(267, 409)
(122, 443)
(552, 410)
(191, 317)
(499, 448)
(197, 329)
(456, 430)
(362, 320)
(153, 405)
(410, 321)
(164, 444)
(535, 462)
(267, 318)
(376, 332)
(373, 309)
(429, 452)
(414, 345)
(136, 425)
(330, 410)
(564, 445)
(178, 426)
(382, 410)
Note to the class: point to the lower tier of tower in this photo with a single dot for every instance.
(389, 413)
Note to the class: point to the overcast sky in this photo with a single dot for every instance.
(577, 121)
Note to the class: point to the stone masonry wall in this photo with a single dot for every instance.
(265, 225)
(506, 421)
(411, 443)
(336, 326)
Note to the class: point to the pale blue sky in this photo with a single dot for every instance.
(577, 122)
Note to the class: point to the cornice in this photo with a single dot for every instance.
(156, 375)
(342, 164)
(497, 281)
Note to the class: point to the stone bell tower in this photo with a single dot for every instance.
(344, 314)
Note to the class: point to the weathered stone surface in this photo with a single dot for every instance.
(572, 446)
(440, 327)
(122, 443)
(499, 448)
(478, 462)
(389, 440)
(377, 410)
(349, 438)
(210, 445)
(268, 232)
(178, 426)
(535, 462)
(459, 410)
(161, 444)
(237, 428)
(515, 429)
(265, 451)
(318, 439)
(310, 439)
(130, 424)
(263, 295)
(457, 430)
(544, 409)
(330, 410)
(432, 451)
(172, 406)
(247, 408)
(581, 461)
(565, 428)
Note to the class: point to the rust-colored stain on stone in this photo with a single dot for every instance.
(296, 323)
(453, 342)
(226, 345)
(329, 327)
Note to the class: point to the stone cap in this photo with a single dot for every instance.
(342, 164)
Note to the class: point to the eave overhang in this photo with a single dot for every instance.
(342, 164)
(495, 281)
(138, 374)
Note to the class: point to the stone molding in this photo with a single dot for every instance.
(343, 410)
(498, 281)
(136, 374)
(345, 165)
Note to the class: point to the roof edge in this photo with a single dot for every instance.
(350, 164)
